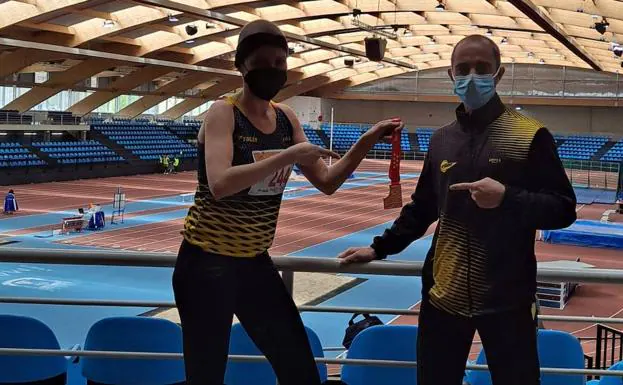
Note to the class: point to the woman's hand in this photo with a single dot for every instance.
(384, 129)
(306, 154)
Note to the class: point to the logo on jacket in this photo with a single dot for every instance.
(445, 166)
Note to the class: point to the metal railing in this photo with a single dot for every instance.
(287, 264)
(520, 80)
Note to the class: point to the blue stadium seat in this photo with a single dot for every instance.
(245, 373)
(612, 380)
(383, 342)
(557, 349)
(29, 333)
(138, 334)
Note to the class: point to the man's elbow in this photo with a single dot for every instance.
(566, 217)
(570, 216)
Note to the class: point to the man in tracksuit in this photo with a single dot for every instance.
(491, 179)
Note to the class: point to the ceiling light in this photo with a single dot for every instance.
(408, 32)
(191, 29)
(541, 61)
(602, 26)
(108, 24)
(489, 33)
(173, 19)
(530, 54)
(57, 133)
(191, 41)
(440, 6)
(3, 134)
(518, 108)
(504, 40)
(210, 26)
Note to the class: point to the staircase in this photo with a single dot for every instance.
(415, 144)
(325, 138)
(42, 155)
(119, 149)
(602, 151)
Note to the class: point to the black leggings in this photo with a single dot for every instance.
(509, 339)
(209, 289)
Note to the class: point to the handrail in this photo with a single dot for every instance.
(247, 358)
(284, 263)
(301, 308)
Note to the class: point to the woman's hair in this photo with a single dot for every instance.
(256, 34)
(11, 191)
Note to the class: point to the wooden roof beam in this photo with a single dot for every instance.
(544, 21)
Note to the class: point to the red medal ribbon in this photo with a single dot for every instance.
(394, 199)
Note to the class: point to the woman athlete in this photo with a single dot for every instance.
(247, 148)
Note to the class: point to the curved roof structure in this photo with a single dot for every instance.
(188, 44)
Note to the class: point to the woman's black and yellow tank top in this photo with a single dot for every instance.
(244, 224)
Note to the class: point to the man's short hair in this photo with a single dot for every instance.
(485, 40)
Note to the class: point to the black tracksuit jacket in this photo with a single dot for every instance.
(482, 260)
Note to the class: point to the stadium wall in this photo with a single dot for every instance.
(560, 119)
(19, 175)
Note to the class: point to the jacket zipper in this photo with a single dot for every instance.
(472, 151)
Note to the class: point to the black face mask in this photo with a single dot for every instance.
(265, 83)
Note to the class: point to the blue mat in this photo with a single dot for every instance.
(589, 234)
(587, 196)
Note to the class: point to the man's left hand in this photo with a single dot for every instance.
(487, 193)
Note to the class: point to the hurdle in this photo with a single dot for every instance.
(118, 205)
(556, 295)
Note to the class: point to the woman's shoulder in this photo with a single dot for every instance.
(219, 110)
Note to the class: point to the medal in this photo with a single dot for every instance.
(394, 199)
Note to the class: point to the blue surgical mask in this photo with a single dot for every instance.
(475, 90)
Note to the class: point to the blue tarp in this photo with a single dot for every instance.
(589, 234)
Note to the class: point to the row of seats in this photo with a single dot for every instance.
(61, 150)
(615, 153)
(96, 159)
(90, 154)
(312, 135)
(14, 150)
(345, 136)
(556, 349)
(85, 143)
(164, 147)
(423, 137)
(17, 156)
(117, 126)
(145, 139)
(580, 147)
(121, 135)
(10, 145)
(22, 163)
(78, 152)
(13, 154)
(149, 142)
